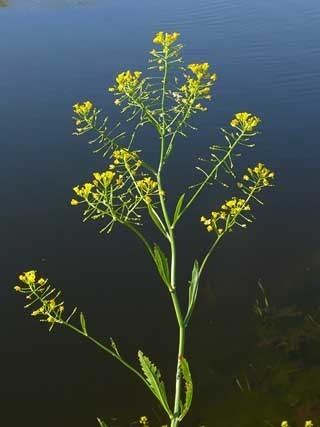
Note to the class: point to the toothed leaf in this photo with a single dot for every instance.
(186, 374)
(154, 380)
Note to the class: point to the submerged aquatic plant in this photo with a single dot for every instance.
(130, 189)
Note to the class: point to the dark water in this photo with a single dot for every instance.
(56, 52)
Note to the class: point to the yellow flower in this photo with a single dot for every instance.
(52, 304)
(308, 423)
(74, 202)
(165, 39)
(36, 312)
(17, 288)
(144, 421)
(82, 108)
(284, 424)
(245, 121)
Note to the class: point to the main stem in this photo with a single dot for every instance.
(162, 131)
(176, 412)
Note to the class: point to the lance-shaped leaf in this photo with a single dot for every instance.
(178, 208)
(193, 290)
(162, 264)
(83, 324)
(186, 374)
(155, 382)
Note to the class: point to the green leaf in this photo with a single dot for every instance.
(83, 324)
(162, 264)
(102, 423)
(193, 290)
(178, 208)
(186, 374)
(154, 380)
(157, 220)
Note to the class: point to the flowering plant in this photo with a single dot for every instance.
(131, 188)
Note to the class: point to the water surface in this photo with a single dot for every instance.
(56, 52)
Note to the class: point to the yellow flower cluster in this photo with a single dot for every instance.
(165, 39)
(235, 206)
(198, 86)
(125, 159)
(147, 184)
(227, 213)
(245, 121)
(148, 188)
(35, 287)
(28, 278)
(103, 179)
(126, 83)
(259, 173)
(83, 108)
(201, 71)
(83, 191)
(49, 310)
(121, 172)
(123, 155)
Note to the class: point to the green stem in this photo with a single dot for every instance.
(219, 237)
(103, 347)
(171, 238)
(95, 341)
(141, 237)
(163, 125)
(213, 246)
(182, 334)
(177, 309)
(209, 176)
